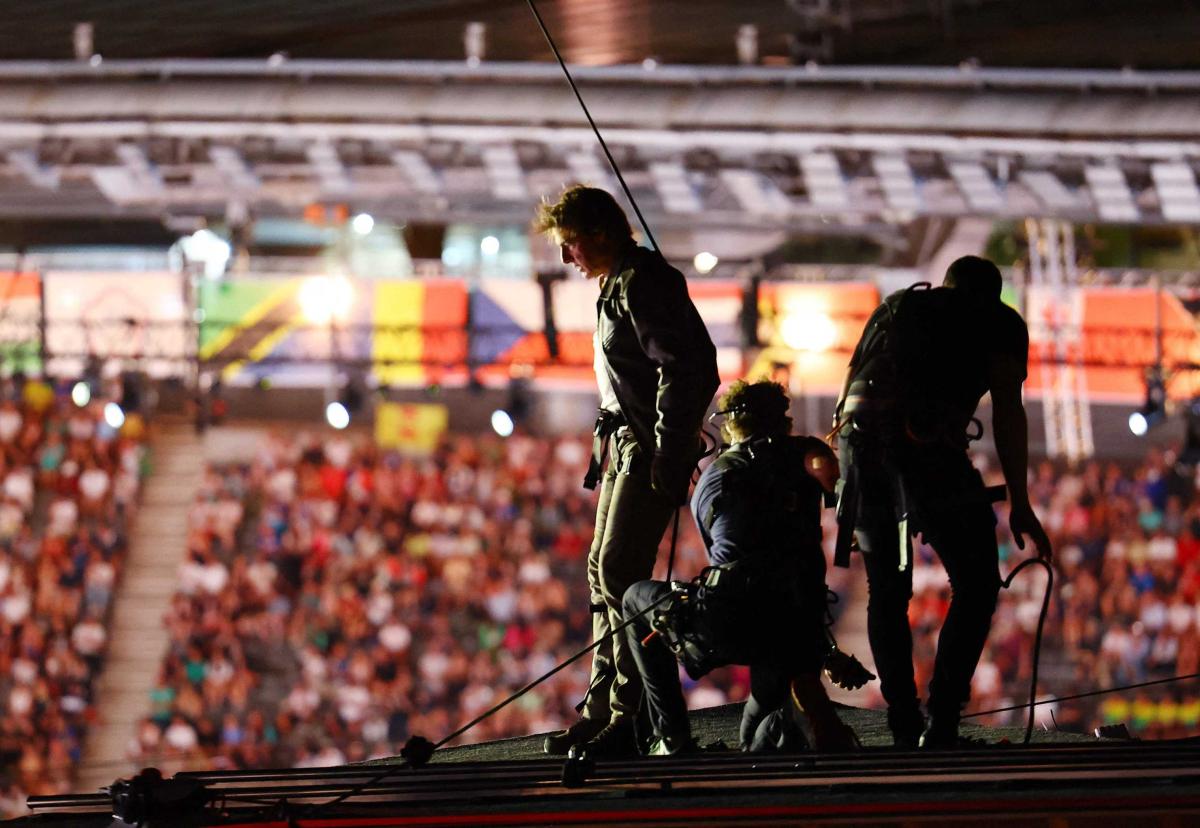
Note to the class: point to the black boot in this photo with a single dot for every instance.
(558, 744)
(906, 725)
(617, 740)
(942, 733)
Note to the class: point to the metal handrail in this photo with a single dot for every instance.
(965, 77)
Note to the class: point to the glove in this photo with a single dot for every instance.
(846, 671)
(670, 477)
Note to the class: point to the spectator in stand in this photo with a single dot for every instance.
(56, 585)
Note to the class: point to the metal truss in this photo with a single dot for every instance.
(821, 150)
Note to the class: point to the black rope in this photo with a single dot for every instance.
(1037, 639)
(427, 748)
(674, 541)
(612, 162)
(1088, 695)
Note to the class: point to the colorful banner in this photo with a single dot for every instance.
(20, 312)
(508, 323)
(420, 335)
(508, 328)
(117, 315)
(1111, 334)
(411, 427)
(294, 329)
(425, 332)
(286, 328)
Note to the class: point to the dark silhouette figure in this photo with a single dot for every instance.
(925, 359)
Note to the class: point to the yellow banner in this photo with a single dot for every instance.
(413, 427)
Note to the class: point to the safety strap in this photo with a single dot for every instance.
(846, 491)
(607, 423)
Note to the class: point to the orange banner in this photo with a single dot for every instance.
(1111, 334)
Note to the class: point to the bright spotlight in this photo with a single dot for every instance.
(324, 299)
(502, 423)
(81, 394)
(337, 415)
(209, 250)
(363, 223)
(705, 262)
(113, 415)
(1138, 424)
(489, 246)
(808, 330)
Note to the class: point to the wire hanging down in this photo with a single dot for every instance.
(612, 162)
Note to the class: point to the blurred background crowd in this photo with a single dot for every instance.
(69, 482)
(337, 598)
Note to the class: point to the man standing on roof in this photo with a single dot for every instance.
(925, 359)
(656, 369)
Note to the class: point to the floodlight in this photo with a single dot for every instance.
(1154, 410)
(805, 329)
(1138, 424)
(363, 223)
(502, 422)
(336, 415)
(113, 415)
(705, 262)
(324, 300)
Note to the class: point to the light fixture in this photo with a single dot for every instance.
(325, 299)
(363, 223)
(806, 329)
(113, 415)
(1154, 410)
(81, 394)
(705, 262)
(336, 415)
(207, 249)
(489, 246)
(502, 423)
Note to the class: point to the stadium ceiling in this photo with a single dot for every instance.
(753, 148)
(1146, 34)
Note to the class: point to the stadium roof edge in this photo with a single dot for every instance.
(968, 77)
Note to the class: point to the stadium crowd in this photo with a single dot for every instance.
(338, 598)
(69, 483)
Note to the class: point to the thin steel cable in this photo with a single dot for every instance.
(674, 541)
(612, 162)
(394, 769)
(1088, 695)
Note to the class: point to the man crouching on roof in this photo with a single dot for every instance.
(762, 600)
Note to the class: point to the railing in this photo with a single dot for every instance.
(966, 77)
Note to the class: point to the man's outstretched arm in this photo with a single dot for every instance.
(1011, 428)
